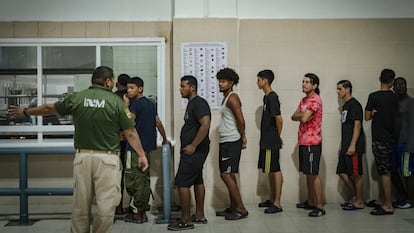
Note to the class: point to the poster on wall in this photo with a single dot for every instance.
(203, 60)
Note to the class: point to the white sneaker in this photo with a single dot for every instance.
(403, 205)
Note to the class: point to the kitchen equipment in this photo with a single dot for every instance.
(15, 91)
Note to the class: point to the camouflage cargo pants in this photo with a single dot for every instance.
(137, 183)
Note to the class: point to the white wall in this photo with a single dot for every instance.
(165, 10)
(85, 10)
(292, 9)
(277, 9)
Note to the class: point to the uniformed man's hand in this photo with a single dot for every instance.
(16, 111)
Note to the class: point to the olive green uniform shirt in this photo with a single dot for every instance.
(98, 117)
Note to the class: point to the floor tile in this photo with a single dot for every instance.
(291, 220)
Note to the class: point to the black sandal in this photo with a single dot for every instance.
(178, 226)
(266, 203)
(235, 215)
(381, 211)
(317, 212)
(273, 209)
(373, 204)
(223, 213)
(194, 219)
(305, 205)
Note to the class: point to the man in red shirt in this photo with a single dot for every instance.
(309, 114)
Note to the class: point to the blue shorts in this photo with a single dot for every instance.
(403, 161)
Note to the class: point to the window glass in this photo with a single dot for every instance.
(17, 66)
(68, 58)
(21, 57)
(67, 67)
(138, 61)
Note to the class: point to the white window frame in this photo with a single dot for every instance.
(98, 42)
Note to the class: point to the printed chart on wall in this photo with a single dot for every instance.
(203, 60)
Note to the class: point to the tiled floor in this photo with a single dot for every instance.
(291, 220)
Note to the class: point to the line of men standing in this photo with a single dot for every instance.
(382, 108)
(232, 139)
(97, 168)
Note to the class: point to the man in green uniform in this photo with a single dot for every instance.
(98, 115)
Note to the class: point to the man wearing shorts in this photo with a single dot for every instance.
(309, 114)
(195, 145)
(270, 141)
(232, 141)
(349, 166)
(402, 175)
(382, 109)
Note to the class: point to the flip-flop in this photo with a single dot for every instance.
(373, 203)
(381, 211)
(344, 204)
(273, 209)
(223, 213)
(178, 226)
(305, 205)
(235, 215)
(351, 206)
(266, 203)
(194, 219)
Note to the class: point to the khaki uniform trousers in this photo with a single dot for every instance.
(95, 174)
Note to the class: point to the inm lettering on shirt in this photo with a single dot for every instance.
(93, 103)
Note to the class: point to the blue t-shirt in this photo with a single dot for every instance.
(145, 123)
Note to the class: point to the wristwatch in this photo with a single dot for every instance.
(25, 112)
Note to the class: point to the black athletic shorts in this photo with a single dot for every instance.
(190, 168)
(269, 160)
(350, 165)
(309, 158)
(229, 156)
